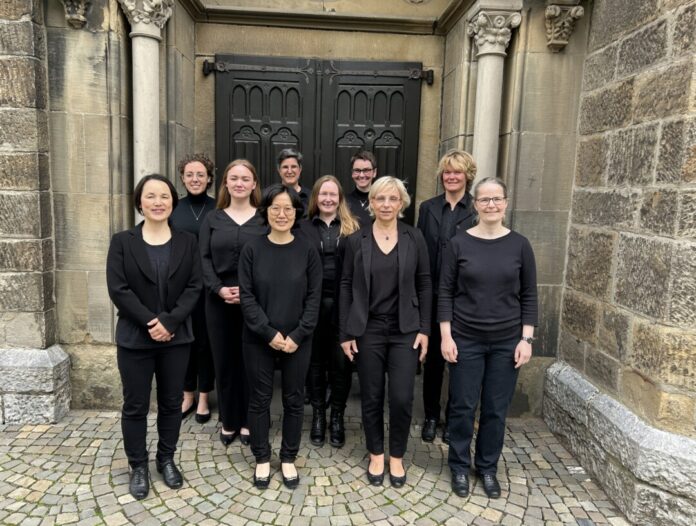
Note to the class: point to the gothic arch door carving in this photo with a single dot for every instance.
(328, 109)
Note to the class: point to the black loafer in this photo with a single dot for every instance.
(460, 484)
(139, 484)
(375, 479)
(245, 439)
(397, 482)
(429, 430)
(228, 439)
(170, 473)
(490, 485)
(202, 418)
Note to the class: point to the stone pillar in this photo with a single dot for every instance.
(491, 30)
(147, 18)
(35, 385)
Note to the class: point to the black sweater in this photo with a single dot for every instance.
(184, 215)
(358, 203)
(488, 286)
(280, 289)
(221, 241)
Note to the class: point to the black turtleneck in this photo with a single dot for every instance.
(359, 203)
(190, 212)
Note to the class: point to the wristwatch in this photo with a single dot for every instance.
(528, 339)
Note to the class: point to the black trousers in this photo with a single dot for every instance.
(383, 349)
(137, 367)
(200, 372)
(225, 323)
(260, 360)
(433, 372)
(484, 371)
(328, 358)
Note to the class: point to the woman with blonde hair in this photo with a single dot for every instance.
(223, 234)
(385, 302)
(329, 221)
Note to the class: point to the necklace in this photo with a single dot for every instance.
(383, 233)
(198, 215)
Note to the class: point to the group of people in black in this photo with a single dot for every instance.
(222, 293)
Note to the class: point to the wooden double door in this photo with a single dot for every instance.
(326, 109)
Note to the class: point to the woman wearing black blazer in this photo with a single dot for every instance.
(385, 306)
(154, 279)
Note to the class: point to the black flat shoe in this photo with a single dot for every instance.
(397, 482)
(290, 482)
(202, 418)
(190, 410)
(245, 439)
(262, 482)
(429, 430)
(490, 485)
(375, 480)
(170, 473)
(228, 439)
(139, 484)
(460, 484)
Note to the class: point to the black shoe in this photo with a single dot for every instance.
(429, 430)
(170, 473)
(290, 482)
(245, 439)
(139, 485)
(262, 482)
(445, 434)
(460, 484)
(317, 434)
(190, 410)
(375, 479)
(490, 485)
(228, 439)
(202, 418)
(397, 482)
(337, 430)
(306, 397)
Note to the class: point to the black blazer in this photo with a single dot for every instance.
(415, 288)
(132, 283)
(429, 218)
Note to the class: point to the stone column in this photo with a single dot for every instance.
(147, 18)
(491, 30)
(34, 372)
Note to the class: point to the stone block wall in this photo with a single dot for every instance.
(628, 322)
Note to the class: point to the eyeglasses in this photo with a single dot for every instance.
(391, 199)
(288, 210)
(196, 175)
(362, 171)
(485, 201)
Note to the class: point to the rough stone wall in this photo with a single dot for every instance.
(629, 303)
(91, 145)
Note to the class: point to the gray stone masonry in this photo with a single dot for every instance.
(35, 384)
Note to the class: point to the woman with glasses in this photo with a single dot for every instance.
(196, 172)
(487, 310)
(385, 305)
(280, 278)
(328, 223)
(223, 235)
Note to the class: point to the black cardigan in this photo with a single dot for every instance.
(415, 287)
(132, 283)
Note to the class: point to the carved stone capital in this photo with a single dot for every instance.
(560, 22)
(492, 30)
(75, 11)
(155, 12)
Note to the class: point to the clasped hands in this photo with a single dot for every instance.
(283, 344)
(158, 332)
(229, 295)
(350, 347)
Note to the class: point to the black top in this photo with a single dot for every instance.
(384, 282)
(191, 211)
(137, 290)
(439, 223)
(280, 289)
(488, 286)
(328, 250)
(359, 204)
(221, 240)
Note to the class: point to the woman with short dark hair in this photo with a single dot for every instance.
(280, 278)
(153, 278)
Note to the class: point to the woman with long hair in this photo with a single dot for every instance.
(223, 234)
(329, 222)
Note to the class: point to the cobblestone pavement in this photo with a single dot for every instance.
(76, 472)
